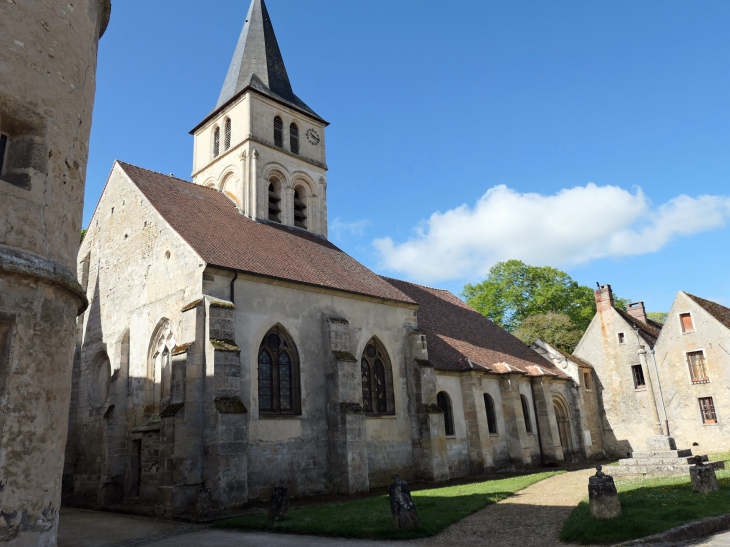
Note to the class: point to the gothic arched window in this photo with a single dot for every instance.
(274, 200)
(300, 208)
(217, 142)
(294, 138)
(278, 371)
(377, 380)
(228, 134)
(491, 416)
(278, 132)
(444, 401)
(526, 413)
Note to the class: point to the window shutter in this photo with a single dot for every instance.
(687, 325)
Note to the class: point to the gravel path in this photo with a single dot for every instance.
(533, 516)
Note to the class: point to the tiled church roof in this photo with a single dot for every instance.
(211, 224)
(460, 338)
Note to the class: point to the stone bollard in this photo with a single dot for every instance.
(703, 477)
(603, 496)
(401, 505)
(279, 507)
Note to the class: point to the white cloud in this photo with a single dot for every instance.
(339, 227)
(574, 226)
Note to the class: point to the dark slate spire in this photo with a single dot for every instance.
(257, 62)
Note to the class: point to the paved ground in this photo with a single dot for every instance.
(533, 516)
(718, 540)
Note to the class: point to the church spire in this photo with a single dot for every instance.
(257, 62)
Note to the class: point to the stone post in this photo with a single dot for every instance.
(279, 506)
(48, 56)
(518, 446)
(479, 446)
(402, 507)
(430, 460)
(603, 497)
(346, 433)
(703, 477)
(656, 424)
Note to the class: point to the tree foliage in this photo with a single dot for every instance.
(658, 316)
(556, 329)
(83, 235)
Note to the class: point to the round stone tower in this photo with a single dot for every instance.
(48, 51)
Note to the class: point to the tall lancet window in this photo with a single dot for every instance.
(228, 133)
(217, 142)
(300, 208)
(294, 138)
(278, 132)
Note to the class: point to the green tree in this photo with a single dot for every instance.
(83, 235)
(514, 291)
(658, 316)
(554, 328)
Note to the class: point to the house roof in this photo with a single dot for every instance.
(212, 225)
(461, 339)
(721, 313)
(649, 332)
(576, 360)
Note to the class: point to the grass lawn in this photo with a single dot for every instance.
(650, 506)
(371, 518)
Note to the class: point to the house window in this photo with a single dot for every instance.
(707, 409)
(686, 320)
(444, 401)
(278, 132)
(278, 372)
(491, 417)
(587, 381)
(377, 380)
(697, 367)
(300, 209)
(294, 138)
(621, 338)
(274, 201)
(217, 142)
(526, 413)
(3, 148)
(228, 134)
(638, 374)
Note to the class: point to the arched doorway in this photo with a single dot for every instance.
(562, 416)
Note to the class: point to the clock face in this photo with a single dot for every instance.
(313, 136)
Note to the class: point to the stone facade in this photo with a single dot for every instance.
(48, 64)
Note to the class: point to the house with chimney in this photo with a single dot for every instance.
(660, 379)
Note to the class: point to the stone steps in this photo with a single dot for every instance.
(662, 454)
(656, 469)
(659, 461)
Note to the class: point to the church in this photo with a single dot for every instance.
(228, 345)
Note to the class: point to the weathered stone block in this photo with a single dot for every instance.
(703, 477)
(603, 497)
(661, 442)
(402, 506)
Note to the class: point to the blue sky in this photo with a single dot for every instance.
(590, 136)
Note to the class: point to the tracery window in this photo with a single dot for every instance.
(278, 372)
(526, 413)
(294, 138)
(377, 380)
(274, 201)
(217, 142)
(278, 132)
(444, 401)
(228, 134)
(491, 415)
(300, 209)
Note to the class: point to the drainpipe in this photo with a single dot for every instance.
(661, 395)
(233, 288)
(537, 422)
(644, 364)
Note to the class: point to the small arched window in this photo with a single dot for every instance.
(294, 138)
(377, 380)
(279, 391)
(491, 416)
(278, 132)
(217, 142)
(300, 209)
(526, 413)
(444, 401)
(274, 201)
(228, 134)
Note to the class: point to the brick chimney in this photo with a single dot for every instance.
(637, 311)
(604, 298)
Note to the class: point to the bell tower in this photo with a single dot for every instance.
(262, 145)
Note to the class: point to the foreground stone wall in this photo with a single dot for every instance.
(47, 84)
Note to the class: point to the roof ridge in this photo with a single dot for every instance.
(160, 173)
(417, 284)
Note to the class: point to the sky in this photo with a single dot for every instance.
(589, 136)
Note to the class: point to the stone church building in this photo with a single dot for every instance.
(228, 344)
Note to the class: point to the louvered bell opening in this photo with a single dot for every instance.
(274, 209)
(300, 212)
(228, 134)
(278, 132)
(217, 142)
(294, 138)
